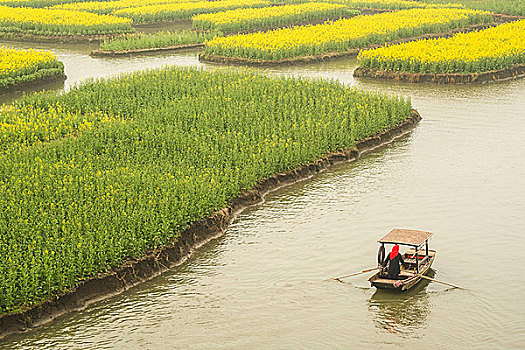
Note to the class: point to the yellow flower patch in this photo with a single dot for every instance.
(173, 11)
(267, 17)
(490, 49)
(60, 22)
(341, 35)
(109, 6)
(22, 66)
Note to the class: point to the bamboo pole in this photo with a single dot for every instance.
(356, 273)
(446, 283)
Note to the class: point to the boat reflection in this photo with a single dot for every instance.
(401, 312)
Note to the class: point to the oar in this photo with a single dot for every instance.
(356, 273)
(435, 280)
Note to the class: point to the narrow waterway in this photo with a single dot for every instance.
(266, 282)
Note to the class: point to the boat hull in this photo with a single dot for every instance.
(403, 284)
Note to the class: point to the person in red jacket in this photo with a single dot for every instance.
(394, 258)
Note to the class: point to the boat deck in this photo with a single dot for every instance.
(408, 271)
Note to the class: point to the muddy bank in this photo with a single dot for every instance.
(443, 78)
(506, 18)
(104, 53)
(58, 77)
(333, 55)
(156, 261)
(163, 25)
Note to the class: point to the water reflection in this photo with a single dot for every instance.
(401, 313)
(18, 92)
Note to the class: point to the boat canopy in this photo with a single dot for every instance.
(407, 237)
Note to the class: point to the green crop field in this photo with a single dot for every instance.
(112, 168)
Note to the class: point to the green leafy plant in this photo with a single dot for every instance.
(115, 167)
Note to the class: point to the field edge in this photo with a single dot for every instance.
(513, 72)
(108, 53)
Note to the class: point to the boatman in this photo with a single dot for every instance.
(394, 258)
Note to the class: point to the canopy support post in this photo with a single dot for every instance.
(417, 262)
(426, 246)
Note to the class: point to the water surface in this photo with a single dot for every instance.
(266, 282)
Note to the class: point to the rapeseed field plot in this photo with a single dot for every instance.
(390, 4)
(486, 50)
(23, 66)
(255, 19)
(59, 22)
(106, 7)
(123, 165)
(342, 35)
(509, 7)
(176, 11)
(36, 3)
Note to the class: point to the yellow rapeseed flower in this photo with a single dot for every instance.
(108, 6)
(494, 48)
(63, 22)
(171, 11)
(240, 15)
(342, 34)
(13, 61)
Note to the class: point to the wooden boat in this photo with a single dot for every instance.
(418, 259)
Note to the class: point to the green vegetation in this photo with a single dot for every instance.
(185, 10)
(342, 35)
(107, 7)
(37, 3)
(386, 4)
(24, 66)
(255, 19)
(113, 168)
(55, 69)
(508, 7)
(157, 40)
(486, 50)
(14, 20)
